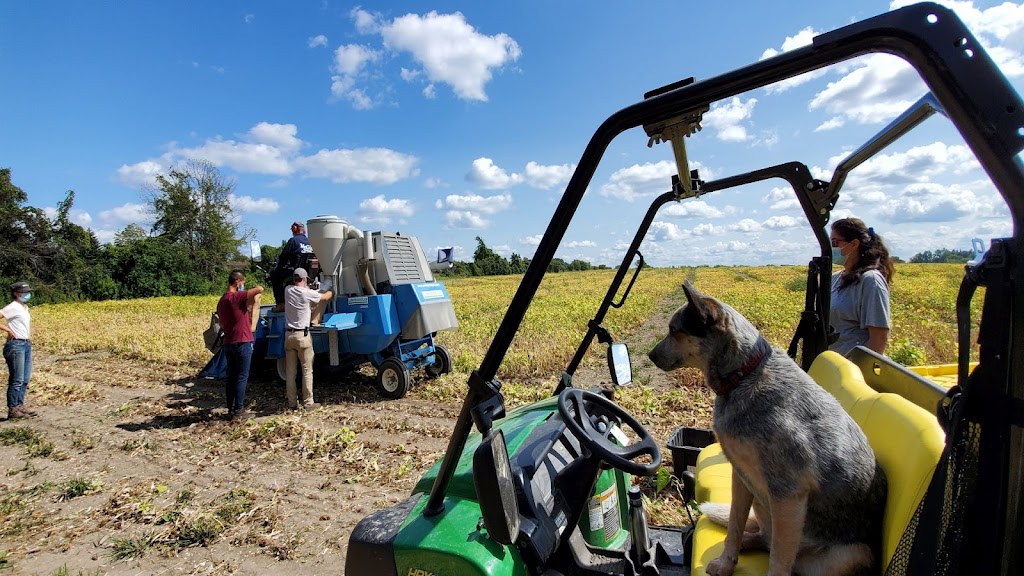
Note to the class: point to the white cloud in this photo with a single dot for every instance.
(531, 240)
(830, 124)
(382, 211)
(253, 205)
(485, 174)
(349, 62)
(799, 40)
(917, 164)
(316, 41)
(781, 199)
(126, 214)
(280, 136)
(783, 223)
(369, 165)
(879, 88)
(665, 231)
(477, 203)
(431, 183)
(746, 225)
(929, 202)
(365, 22)
(489, 176)
(547, 177)
(140, 174)
(350, 59)
(640, 181)
(242, 156)
(581, 244)
(429, 92)
(466, 220)
(727, 118)
(695, 209)
(466, 211)
(450, 50)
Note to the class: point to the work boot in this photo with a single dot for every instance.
(311, 406)
(241, 416)
(26, 411)
(15, 412)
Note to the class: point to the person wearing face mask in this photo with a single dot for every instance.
(860, 291)
(233, 311)
(18, 349)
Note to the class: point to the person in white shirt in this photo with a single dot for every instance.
(300, 303)
(18, 349)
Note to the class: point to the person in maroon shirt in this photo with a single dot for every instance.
(233, 314)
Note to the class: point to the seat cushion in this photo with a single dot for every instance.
(908, 442)
(714, 484)
(840, 377)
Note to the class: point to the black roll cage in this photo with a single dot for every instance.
(969, 89)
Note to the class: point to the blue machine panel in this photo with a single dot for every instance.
(379, 323)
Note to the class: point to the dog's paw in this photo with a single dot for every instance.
(721, 566)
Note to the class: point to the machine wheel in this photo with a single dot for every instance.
(442, 362)
(393, 378)
(282, 369)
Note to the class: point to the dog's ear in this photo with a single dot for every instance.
(701, 308)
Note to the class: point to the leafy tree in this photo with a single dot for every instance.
(488, 262)
(131, 233)
(942, 255)
(24, 234)
(193, 211)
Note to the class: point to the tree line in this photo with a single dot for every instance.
(192, 244)
(487, 262)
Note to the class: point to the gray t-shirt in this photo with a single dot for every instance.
(297, 304)
(856, 307)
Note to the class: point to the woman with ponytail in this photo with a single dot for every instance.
(860, 291)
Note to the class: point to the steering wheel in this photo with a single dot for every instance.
(579, 407)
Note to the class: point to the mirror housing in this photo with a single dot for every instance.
(255, 251)
(618, 364)
(495, 488)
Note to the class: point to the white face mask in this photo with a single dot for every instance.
(241, 287)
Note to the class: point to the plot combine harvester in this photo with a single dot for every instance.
(546, 489)
(387, 307)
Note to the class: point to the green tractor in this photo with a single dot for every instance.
(547, 488)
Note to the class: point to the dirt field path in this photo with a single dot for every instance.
(131, 469)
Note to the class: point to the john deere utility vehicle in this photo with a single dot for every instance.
(547, 488)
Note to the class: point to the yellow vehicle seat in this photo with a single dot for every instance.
(906, 439)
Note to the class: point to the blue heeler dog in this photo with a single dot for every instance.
(817, 492)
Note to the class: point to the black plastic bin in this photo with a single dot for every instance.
(685, 444)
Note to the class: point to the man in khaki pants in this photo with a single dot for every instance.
(300, 302)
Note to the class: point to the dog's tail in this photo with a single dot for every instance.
(719, 514)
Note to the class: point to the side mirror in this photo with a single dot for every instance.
(255, 251)
(618, 364)
(495, 489)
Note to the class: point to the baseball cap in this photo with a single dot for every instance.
(299, 224)
(19, 287)
(300, 273)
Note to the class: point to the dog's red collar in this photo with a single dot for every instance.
(729, 382)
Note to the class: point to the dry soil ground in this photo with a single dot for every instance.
(131, 468)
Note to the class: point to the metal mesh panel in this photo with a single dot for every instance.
(957, 496)
(402, 260)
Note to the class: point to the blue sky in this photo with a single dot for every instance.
(451, 120)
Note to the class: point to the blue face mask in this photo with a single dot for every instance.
(837, 256)
(241, 288)
(25, 297)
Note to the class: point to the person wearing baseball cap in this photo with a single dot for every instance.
(296, 254)
(18, 349)
(301, 303)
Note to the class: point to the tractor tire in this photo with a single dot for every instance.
(442, 362)
(393, 379)
(282, 369)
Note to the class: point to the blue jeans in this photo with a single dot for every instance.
(239, 356)
(18, 354)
